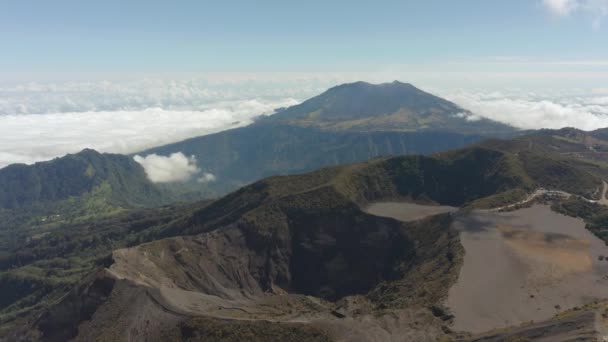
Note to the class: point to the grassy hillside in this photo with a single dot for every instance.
(59, 218)
(243, 155)
(477, 176)
(595, 215)
(75, 175)
(37, 267)
(75, 187)
(309, 224)
(558, 159)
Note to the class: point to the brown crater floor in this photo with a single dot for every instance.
(525, 265)
(406, 211)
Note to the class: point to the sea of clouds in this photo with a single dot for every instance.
(40, 121)
(43, 120)
(583, 109)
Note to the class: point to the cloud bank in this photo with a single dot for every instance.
(527, 110)
(40, 121)
(27, 138)
(174, 168)
(136, 95)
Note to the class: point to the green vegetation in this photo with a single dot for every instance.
(59, 218)
(595, 215)
(215, 330)
(35, 199)
(51, 239)
(346, 124)
(38, 265)
(75, 175)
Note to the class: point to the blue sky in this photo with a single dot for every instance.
(202, 36)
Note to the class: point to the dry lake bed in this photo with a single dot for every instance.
(520, 266)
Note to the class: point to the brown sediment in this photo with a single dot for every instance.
(558, 254)
(524, 266)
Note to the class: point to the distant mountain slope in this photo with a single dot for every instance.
(77, 186)
(550, 152)
(74, 175)
(243, 155)
(395, 106)
(348, 123)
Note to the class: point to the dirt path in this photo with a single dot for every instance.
(603, 200)
(531, 197)
(541, 192)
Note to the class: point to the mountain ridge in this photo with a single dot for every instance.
(349, 123)
(395, 106)
(250, 246)
(293, 236)
(74, 175)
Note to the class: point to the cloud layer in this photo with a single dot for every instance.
(137, 95)
(27, 138)
(174, 168)
(40, 121)
(585, 110)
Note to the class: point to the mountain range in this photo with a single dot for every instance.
(345, 124)
(92, 250)
(78, 185)
(304, 249)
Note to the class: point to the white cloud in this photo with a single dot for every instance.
(132, 95)
(596, 10)
(43, 120)
(532, 111)
(561, 7)
(468, 116)
(206, 178)
(174, 168)
(28, 138)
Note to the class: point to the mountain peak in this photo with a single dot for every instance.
(394, 106)
(395, 85)
(75, 175)
(88, 152)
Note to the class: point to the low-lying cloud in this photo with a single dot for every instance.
(207, 178)
(27, 138)
(41, 121)
(166, 169)
(534, 111)
(139, 94)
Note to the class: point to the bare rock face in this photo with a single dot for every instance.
(326, 256)
(320, 276)
(299, 255)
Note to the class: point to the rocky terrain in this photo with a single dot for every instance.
(380, 250)
(304, 257)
